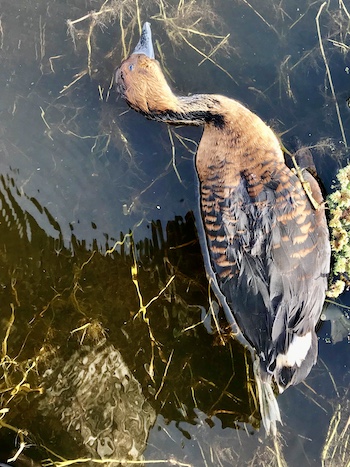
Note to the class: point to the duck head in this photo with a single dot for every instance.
(140, 80)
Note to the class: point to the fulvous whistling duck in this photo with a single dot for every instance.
(269, 250)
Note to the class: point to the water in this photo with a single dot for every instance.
(79, 171)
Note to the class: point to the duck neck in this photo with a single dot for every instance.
(199, 109)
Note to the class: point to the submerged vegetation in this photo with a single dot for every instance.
(336, 450)
(186, 23)
(141, 296)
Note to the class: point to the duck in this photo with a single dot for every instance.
(265, 244)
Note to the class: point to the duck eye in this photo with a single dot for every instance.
(131, 67)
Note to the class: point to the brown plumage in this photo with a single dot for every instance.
(268, 247)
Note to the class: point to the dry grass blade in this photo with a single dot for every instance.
(330, 377)
(183, 140)
(328, 71)
(333, 302)
(138, 16)
(310, 397)
(164, 375)
(269, 454)
(22, 446)
(7, 333)
(62, 462)
(125, 53)
(215, 49)
(204, 34)
(299, 173)
(206, 57)
(85, 460)
(303, 14)
(75, 80)
(261, 17)
(212, 309)
(202, 321)
(345, 48)
(143, 308)
(1, 35)
(173, 155)
(119, 243)
(162, 60)
(186, 20)
(336, 450)
(341, 4)
(143, 311)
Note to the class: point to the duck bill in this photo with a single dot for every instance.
(145, 45)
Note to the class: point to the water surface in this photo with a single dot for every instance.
(86, 372)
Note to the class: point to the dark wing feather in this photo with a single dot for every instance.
(270, 254)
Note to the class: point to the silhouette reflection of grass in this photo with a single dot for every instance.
(336, 450)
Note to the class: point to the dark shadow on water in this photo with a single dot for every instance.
(59, 336)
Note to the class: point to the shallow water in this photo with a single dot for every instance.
(79, 172)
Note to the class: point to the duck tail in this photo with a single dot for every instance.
(270, 412)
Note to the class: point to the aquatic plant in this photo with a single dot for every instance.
(339, 224)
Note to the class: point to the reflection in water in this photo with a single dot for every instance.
(336, 450)
(91, 392)
(95, 397)
(340, 322)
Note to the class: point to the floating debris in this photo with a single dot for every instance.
(340, 322)
(99, 402)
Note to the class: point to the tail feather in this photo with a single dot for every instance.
(270, 412)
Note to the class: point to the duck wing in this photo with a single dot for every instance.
(270, 254)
